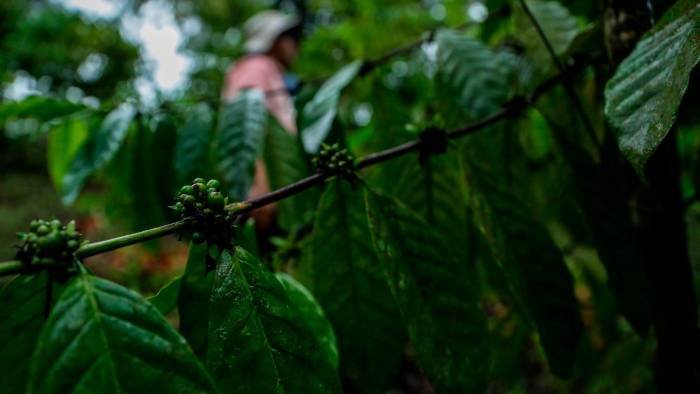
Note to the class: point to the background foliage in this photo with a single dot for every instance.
(524, 259)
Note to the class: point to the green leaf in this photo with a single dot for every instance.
(285, 164)
(64, 141)
(437, 191)
(259, 340)
(166, 298)
(302, 298)
(531, 262)
(162, 140)
(642, 98)
(238, 141)
(42, 108)
(247, 238)
(318, 114)
(193, 299)
(101, 337)
(193, 142)
(99, 149)
(437, 298)
(471, 73)
(22, 309)
(349, 282)
(147, 209)
(558, 25)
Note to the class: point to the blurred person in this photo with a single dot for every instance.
(271, 46)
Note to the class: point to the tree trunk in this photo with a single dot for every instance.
(664, 242)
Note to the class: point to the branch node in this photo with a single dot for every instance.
(433, 141)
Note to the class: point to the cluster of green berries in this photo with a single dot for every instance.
(49, 240)
(333, 160)
(203, 202)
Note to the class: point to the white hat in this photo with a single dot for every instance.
(264, 28)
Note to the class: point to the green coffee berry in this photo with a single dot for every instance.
(199, 187)
(186, 198)
(215, 200)
(50, 240)
(197, 237)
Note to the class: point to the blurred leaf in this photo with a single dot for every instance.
(557, 23)
(319, 113)
(162, 140)
(531, 262)
(42, 108)
(97, 151)
(286, 164)
(642, 98)
(259, 340)
(348, 281)
(101, 337)
(238, 139)
(473, 75)
(143, 177)
(166, 298)
(193, 142)
(437, 191)
(63, 143)
(22, 309)
(315, 318)
(193, 300)
(438, 300)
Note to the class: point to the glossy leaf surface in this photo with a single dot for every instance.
(643, 96)
(101, 337)
(259, 339)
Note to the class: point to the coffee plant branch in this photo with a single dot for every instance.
(512, 108)
(588, 125)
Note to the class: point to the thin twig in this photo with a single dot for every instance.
(277, 195)
(371, 64)
(588, 125)
(407, 48)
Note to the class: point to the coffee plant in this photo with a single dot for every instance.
(514, 217)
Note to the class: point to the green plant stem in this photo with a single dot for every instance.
(16, 267)
(108, 245)
(11, 268)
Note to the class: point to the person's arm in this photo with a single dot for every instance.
(264, 216)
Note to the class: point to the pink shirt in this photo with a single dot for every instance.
(264, 73)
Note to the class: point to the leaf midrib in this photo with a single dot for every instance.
(92, 300)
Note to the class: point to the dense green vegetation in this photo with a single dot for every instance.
(496, 197)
